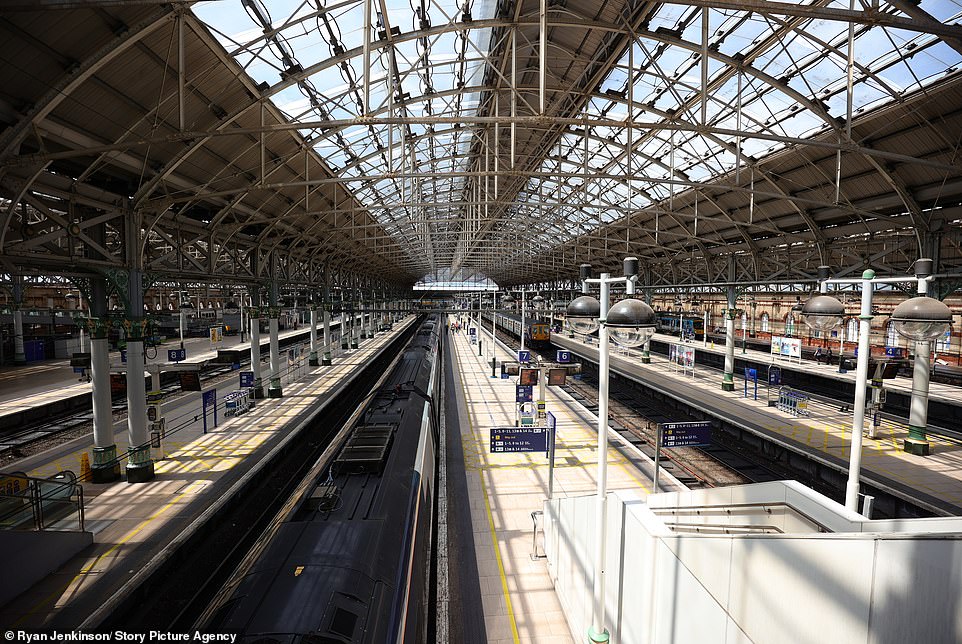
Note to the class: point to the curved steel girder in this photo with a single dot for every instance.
(152, 185)
(80, 74)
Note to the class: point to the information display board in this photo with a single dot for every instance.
(522, 393)
(528, 377)
(518, 439)
(189, 380)
(556, 376)
(692, 434)
(246, 379)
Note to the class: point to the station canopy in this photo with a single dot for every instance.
(421, 141)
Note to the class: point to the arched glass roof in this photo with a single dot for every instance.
(715, 140)
(698, 94)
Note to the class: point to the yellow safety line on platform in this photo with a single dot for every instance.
(487, 508)
(86, 569)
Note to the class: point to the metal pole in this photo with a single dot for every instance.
(522, 319)
(654, 482)
(494, 324)
(542, 54)
(861, 379)
(551, 437)
(597, 632)
(367, 57)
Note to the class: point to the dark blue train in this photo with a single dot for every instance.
(351, 561)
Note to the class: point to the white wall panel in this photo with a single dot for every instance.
(918, 592)
(797, 588)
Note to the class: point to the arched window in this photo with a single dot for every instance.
(891, 335)
(764, 322)
(944, 343)
(790, 324)
(851, 329)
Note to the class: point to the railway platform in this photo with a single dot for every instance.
(37, 383)
(137, 527)
(505, 492)
(938, 392)
(823, 436)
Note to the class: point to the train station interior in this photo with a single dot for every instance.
(509, 321)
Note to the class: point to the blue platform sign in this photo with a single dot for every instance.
(524, 356)
(518, 439)
(522, 393)
(176, 355)
(246, 379)
(209, 399)
(694, 434)
(563, 356)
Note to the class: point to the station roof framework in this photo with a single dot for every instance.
(243, 141)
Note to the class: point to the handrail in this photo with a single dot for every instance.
(745, 528)
(727, 507)
(28, 502)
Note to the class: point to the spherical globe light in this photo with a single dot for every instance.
(822, 313)
(922, 318)
(582, 314)
(630, 322)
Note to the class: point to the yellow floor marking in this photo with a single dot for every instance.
(86, 569)
(487, 508)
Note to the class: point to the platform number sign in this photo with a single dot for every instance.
(246, 379)
(563, 356)
(176, 355)
(524, 356)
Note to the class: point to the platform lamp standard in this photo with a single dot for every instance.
(921, 319)
(630, 322)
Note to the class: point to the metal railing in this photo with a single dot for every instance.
(680, 511)
(28, 503)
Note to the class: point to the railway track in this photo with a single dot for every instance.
(43, 434)
(635, 417)
(185, 579)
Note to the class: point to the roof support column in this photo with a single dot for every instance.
(140, 466)
(326, 306)
(19, 356)
(255, 325)
(312, 358)
(105, 467)
(728, 379)
(274, 390)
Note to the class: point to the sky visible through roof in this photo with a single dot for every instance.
(380, 159)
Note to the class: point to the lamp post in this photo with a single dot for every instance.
(921, 319)
(630, 322)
